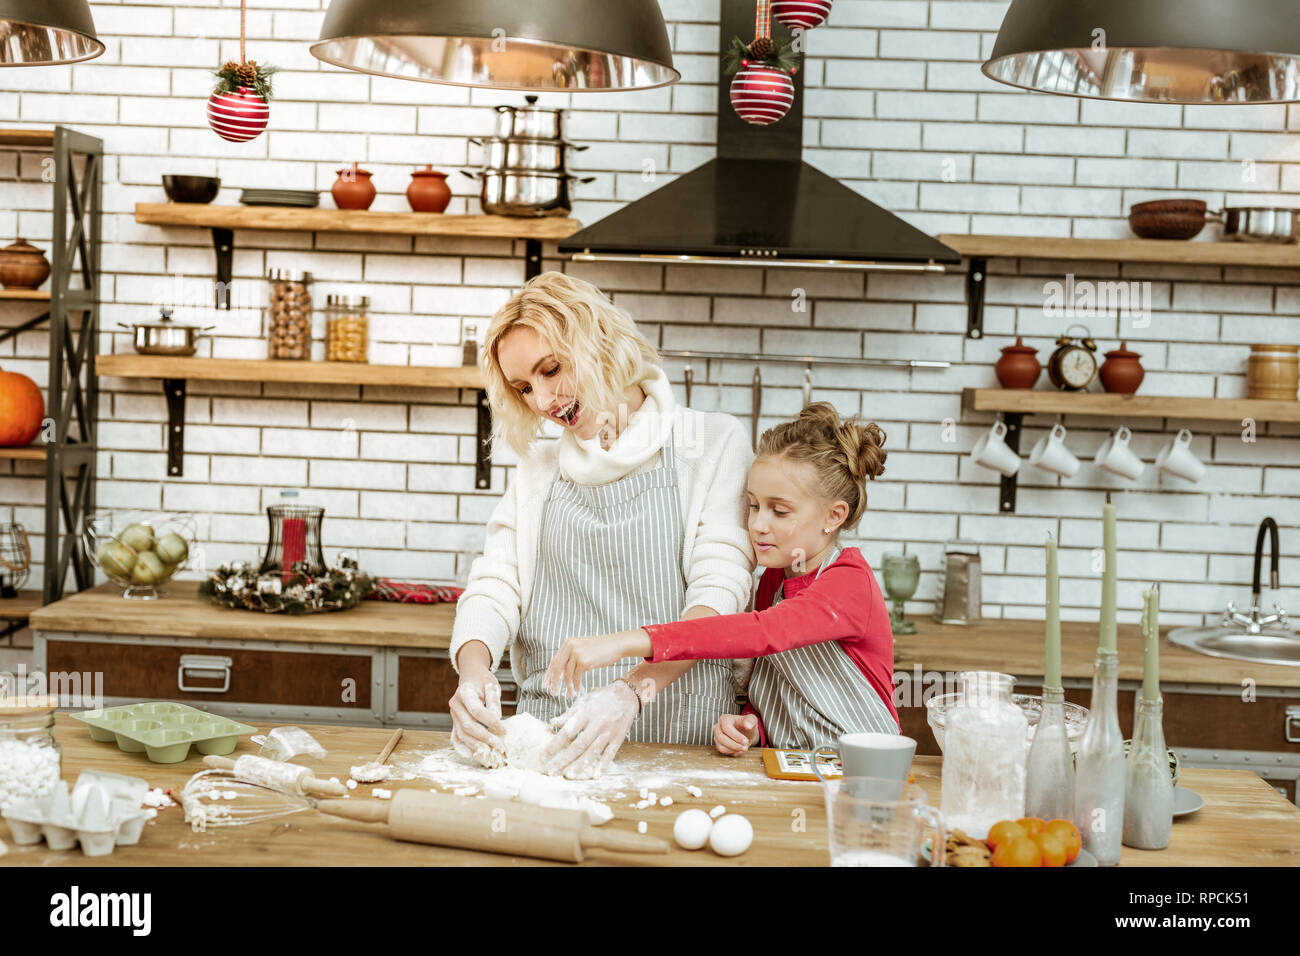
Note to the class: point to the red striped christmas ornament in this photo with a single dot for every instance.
(801, 14)
(238, 117)
(761, 95)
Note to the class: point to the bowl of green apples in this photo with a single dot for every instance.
(139, 550)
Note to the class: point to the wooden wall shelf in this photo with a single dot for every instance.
(1248, 254)
(24, 453)
(1042, 402)
(347, 220)
(26, 295)
(280, 370)
(30, 138)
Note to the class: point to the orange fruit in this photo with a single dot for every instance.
(1068, 834)
(1020, 851)
(1031, 825)
(1002, 831)
(1052, 848)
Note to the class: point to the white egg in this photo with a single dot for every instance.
(731, 836)
(691, 829)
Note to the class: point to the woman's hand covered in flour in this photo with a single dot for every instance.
(581, 654)
(476, 713)
(733, 734)
(591, 731)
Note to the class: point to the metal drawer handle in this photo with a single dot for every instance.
(1292, 716)
(202, 666)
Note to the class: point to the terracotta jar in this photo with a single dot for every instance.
(428, 191)
(1019, 366)
(1273, 372)
(1122, 372)
(23, 266)
(353, 189)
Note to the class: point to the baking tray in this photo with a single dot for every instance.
(163, 731)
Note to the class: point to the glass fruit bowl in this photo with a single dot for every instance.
(936, 714)
(139, 550)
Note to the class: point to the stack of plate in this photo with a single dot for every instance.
(280, 197)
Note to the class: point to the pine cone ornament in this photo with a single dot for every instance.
(230, 67)
(761, 47)
(247, 73)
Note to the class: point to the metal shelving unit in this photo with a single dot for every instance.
(72, 391)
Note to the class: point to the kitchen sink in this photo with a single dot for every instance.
(1274, 645)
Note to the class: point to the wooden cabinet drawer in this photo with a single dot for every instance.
(426, 681)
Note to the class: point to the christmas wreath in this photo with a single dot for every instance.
(240, 585)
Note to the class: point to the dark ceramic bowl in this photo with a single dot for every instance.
(1168, 218)
(200, 189)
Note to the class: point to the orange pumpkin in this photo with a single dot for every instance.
(22, 409)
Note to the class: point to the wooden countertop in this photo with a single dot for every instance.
(103, 610)
(1016, 647)
(1244, 822)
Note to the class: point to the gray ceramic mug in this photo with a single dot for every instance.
(879, 756)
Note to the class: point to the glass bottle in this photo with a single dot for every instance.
(1049, 771)
(1099, 767)
(984, 755)
(31, 760)
(1148, 785)
(469, 347)
(347, 328)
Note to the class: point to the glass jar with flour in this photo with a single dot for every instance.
(31, 760)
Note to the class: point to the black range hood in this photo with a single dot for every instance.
(759, 203)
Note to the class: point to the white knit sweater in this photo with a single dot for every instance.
(713, 458)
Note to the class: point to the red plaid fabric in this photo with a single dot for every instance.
(407, 592)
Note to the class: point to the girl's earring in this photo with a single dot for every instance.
(826, 530)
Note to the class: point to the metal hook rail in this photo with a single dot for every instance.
(802, 359)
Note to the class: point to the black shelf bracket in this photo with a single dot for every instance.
(976, 279)
(223, 240)
(1007, 498)
(174, 389)
(483, 443)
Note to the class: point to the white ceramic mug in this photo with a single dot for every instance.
(1115, 456)
(1177, 458)
(1050, 454)
(991, 451)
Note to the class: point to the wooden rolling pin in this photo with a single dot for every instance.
(274, 773)
(495, 826)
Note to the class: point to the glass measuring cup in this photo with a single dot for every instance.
(871, 822)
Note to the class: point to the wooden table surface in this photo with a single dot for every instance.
(1244, 822)
(103, 610)
(1016, 647)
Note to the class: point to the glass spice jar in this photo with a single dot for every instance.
(31, 760)
(288, 330)
(347, 328)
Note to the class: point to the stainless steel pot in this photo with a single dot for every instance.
(166, 337)
(543, 155)
(524, 192)
(1259, 223)
(529, 122)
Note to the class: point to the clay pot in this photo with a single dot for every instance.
(353, 189)
(1122, 372)
(428, 191)
(23, 266)
(1018, 367)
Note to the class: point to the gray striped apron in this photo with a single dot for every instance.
(609, 559)
(809, 696)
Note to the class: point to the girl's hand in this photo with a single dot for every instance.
(590, 732)
(733, 734)
(581, 654)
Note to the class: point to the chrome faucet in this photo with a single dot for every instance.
(1253, 621)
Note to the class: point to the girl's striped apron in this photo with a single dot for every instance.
(809, 696)
(609, 559)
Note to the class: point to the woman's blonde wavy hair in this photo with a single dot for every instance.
(598, 345)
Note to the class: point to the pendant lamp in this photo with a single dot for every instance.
(46, 32)
(567, 45)
(1154, 51)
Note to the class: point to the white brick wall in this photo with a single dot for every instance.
(894, 94)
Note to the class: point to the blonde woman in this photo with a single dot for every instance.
(636, 513)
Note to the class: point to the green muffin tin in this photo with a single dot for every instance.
(162, 730)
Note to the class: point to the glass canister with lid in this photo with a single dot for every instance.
(347, 328)
(984, 754)
(288, 316)
(31, 760)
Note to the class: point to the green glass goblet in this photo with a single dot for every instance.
(902, 575)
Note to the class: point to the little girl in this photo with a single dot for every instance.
(819, 628)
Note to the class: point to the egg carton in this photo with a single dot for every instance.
(101, 812)
(164, 731)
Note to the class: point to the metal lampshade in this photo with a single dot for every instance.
(1157, 51)
(569, 45)
(46, 32)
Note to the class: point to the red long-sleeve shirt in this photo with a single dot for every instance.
(843, 604)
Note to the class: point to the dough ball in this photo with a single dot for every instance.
(598, 814)
(486, 756)
(731, 835)
(525, 741)
(691, 829)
